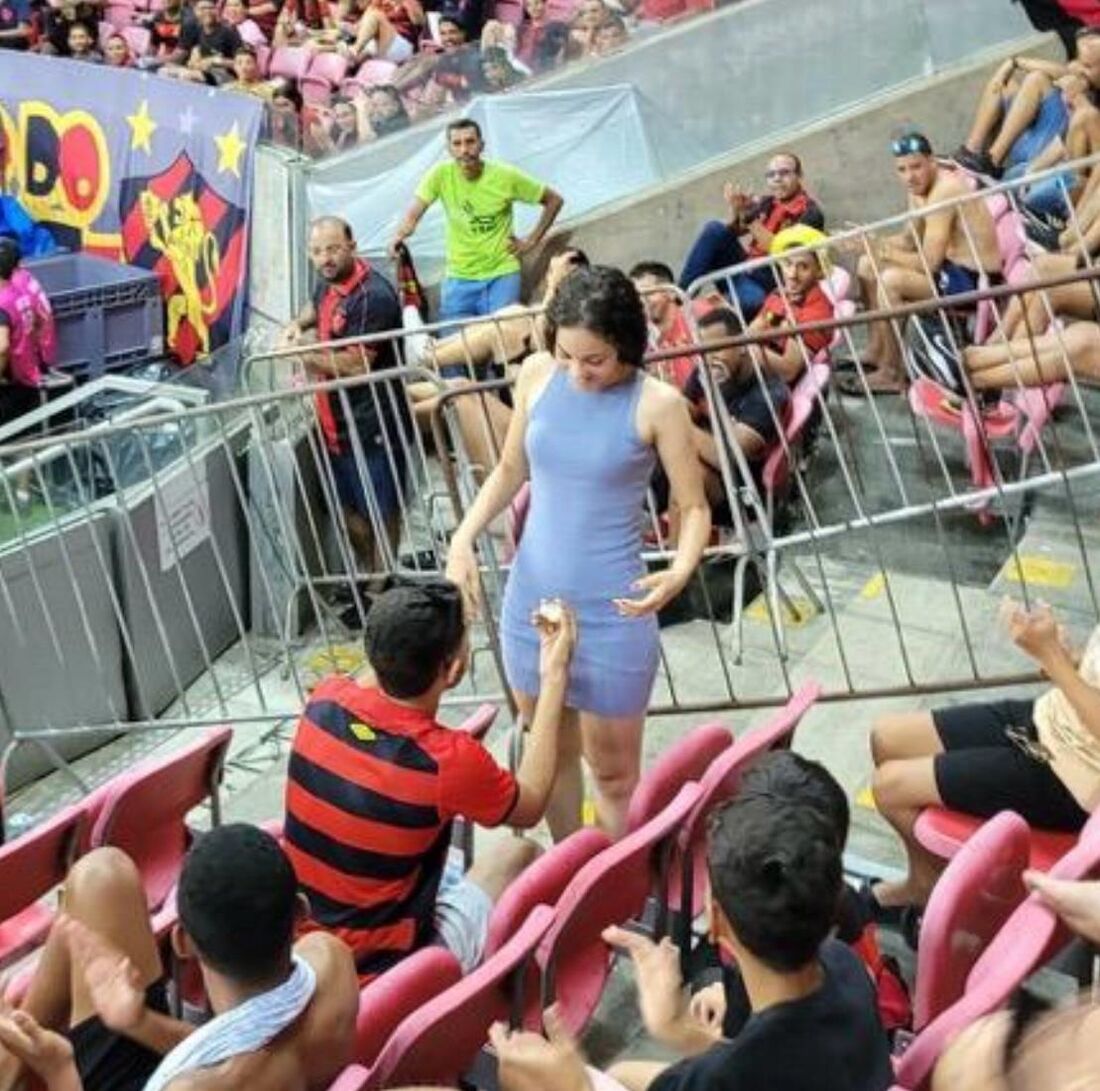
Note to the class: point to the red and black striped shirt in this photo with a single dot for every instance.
(372, 789)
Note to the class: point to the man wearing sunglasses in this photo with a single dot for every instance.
(944, 253)
(748, 232)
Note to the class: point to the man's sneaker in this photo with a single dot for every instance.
(933, 355)
(976, 162)
(1041, 230)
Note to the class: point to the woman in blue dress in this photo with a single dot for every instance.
(588, 428)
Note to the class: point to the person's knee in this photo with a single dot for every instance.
(100, 876)
(518, 855)
(891, 786)
(1035, 83)
(884, 732)
(617, 784)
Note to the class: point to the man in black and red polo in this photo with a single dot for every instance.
(748, 232)
(366, 427)
(375, 782)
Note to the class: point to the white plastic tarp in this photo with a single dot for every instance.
(593, 146)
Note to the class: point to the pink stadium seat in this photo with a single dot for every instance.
(542, 883)
(252, 35)
(687, 759)
(388, 1000)
(138, 39)
(611, 888)
(971, 901)
(1031, 935)
(943, 832)
(438, 1043)
(718, 785)
(353, 1078)
(509, 11)
(30, 867)
(804, 396)
(325, 72)
(374, 72)
(289, 62)
(144, 812)
(105, 32)
(263, 59)
(118, 15)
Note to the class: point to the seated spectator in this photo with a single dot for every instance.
(952, 250)
(235, 14)
(1040, 758)
(341, 125)
(96, 1015)
(372, 748)
(668, 325)
(165, 29)
(497, 71)
(591, 15)
(386, 111)
(747, 234)
(82, 45)
(531, 31)
(206, 48)
(469, 14)
(116, 52)
(1020, 112)
(611, 36)
(28, 342)
(247, 70)
(453, 75)
(15, 25)
(265, 14)
(552, 48)
(60, 16)
(800, 300)
(305, 22)
(284, 115)
(388, 29)
(775, 877)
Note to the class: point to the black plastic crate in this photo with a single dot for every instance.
(108, 315)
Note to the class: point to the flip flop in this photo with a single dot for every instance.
(852, 385)
(847, 365)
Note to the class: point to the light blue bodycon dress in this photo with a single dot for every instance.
(582, 542)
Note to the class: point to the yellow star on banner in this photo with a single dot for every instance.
(230, 147)
(141, 129)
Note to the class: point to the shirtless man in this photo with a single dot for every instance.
(944, 254)
(95, 1016)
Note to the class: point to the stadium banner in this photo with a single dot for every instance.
(141, 169)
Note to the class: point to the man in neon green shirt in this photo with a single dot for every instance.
(483, 268)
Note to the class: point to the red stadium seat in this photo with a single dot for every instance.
(973, 898)
(388, 1000)
(144, 811)
(437, 1044)
(943, 832)
(31, 867)
(611, 888)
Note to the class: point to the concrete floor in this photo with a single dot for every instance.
(895, 620)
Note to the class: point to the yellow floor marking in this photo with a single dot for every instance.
(758, 611)
(864, 798)
(1040, 571)
(874, 586)
(588, 813)
(341, 658)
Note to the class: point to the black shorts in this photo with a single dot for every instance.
(108, 1061)
(983, 771)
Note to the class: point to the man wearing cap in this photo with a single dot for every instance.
(942, 254)
(748, 232)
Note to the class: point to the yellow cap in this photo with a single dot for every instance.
(799, 235)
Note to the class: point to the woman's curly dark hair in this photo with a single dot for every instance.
(603, 301)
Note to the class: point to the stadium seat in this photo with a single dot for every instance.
(252, 35)
(374, 72)
(541, 883)
(1030, 936)
(31, 867)
(353, 1078)
(973, 898)
(324, 75)
(509, 12)
(686, 760)
(144, 811)
(611, 888)
(390, 998)
(263, 59)
(718, 785)
(289, 62)
(943, 832)
(440, 1042)
(119, 16)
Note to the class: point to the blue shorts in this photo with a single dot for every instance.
(387, 479)
(460, 298)
(955, 279)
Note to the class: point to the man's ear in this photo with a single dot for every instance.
(720, 930)
(302, 908)
(182, 946)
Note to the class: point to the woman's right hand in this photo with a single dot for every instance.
(462, 570)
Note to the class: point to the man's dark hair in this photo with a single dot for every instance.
(247, 50)
(656, 269)
(728, 319)
(10, 256)
(463, 122)
(788, 775)
(604, 301)
(775, 866)
(237, 901)
(412, 632)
